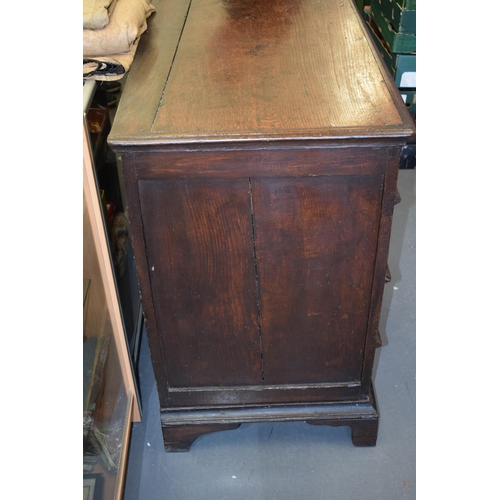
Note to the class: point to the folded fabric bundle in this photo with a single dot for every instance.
(126, 24)
(96, 13)
(109, 68)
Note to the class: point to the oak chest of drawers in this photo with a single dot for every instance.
(260, 143)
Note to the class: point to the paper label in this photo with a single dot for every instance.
(409, 79)
(404, 97)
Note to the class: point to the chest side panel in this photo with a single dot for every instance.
(198, 235)
(316, 242)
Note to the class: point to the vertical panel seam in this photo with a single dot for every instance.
(256, 271)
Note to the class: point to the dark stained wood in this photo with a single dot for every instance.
(290, 162)
(180, 438)
(364, 408)
(200, 260)
(181, 428)
(363, 431)
(389, 199)
(364, 427)
(265, 394)
(316, 242)
(140, 258)
(260, 143)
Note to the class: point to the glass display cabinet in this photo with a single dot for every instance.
(110, 402)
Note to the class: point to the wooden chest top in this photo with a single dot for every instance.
(214, 71)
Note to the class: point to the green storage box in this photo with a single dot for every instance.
(403, 67)
(398, 43)
(410, 99)
(407, 4)
(406, 70)
(401, 19)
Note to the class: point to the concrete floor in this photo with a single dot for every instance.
(296, 461)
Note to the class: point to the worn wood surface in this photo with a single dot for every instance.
(182, 427)
(260, 66)
(149, 72)
(247, 69)
(201, 397)
(351, 409)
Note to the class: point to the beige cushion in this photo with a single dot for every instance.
(96, 13)
(126, 23)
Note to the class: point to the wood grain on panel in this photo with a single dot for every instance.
(295, 161)
(200, 257)
(316, 244)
